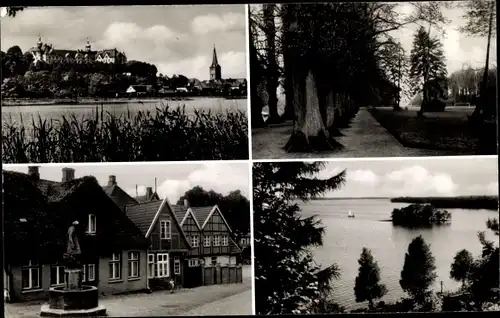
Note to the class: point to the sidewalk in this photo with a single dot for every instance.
(364, 138)
(163, 303)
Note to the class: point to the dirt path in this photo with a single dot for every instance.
(364, 138)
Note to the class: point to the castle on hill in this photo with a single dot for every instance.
(48, 54)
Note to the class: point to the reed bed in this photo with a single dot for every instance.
(169, 134)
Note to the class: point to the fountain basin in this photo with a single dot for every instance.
(78, 302)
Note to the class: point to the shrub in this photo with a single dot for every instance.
(165, 135)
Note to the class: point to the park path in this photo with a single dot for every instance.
(364, 138)
(163, 303)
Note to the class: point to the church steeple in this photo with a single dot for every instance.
(215, 69)
(214, 58)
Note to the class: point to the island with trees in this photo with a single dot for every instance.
(418, 215)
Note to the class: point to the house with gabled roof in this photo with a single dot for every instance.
(168, 242)
(37, 215)
(210, 236)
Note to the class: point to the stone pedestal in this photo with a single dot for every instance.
(74, 299)
(73, 279)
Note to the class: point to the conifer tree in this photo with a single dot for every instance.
(419, 270)
(367, 287)
(286, 278)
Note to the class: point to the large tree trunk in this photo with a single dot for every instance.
(309, 132)
(330, 115)
(272, 64)
(481, 107)
(257, 103)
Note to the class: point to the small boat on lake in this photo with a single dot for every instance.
(350, 215)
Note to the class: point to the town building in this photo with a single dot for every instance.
(48, 54)
(37, 215)
(211, 238)
(168, 243)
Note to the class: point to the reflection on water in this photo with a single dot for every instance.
(215, 105)
(345, 237)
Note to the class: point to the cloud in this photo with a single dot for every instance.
(232, 61)
(178, 38)
(215, 23)
(416, 181)
(221, 178)
(366, 177)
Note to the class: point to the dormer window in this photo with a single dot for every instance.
(92, 224)
(165, 230)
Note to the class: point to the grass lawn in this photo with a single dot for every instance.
(448, 130)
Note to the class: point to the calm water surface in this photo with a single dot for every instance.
(345, 237)
(215, 105)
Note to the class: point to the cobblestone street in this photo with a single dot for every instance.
(205, 300)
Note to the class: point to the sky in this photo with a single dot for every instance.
(172, 179)
(458, 48)
(177, 39)
(439, 176)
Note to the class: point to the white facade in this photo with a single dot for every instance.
(222, 260)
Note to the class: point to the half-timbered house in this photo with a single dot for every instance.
(169, 245)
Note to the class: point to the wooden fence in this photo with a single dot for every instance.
(227, 274)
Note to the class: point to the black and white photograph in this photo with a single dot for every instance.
(127, 240)
(124, 83)
(376, 236)
(373, 79)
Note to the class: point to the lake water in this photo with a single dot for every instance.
(345, 237)
(215, 105)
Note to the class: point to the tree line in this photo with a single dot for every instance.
(332, 58)
(235, 206)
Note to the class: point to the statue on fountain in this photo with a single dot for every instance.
(73, 251)
(71, 258)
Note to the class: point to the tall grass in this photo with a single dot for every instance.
(169, 134)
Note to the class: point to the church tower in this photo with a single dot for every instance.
(215, 70)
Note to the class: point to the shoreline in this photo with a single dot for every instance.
(97, 101)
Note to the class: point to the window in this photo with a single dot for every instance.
(133, 264)
(162, 265)
(225, 240)
(206, 241)
(151, 265)
(177, 265)
(30, 273)
(193, 262)
(91, 272)
(88, 273)
(57, 276)
(115, 266)
(195, 242)
(92, 224)
(165, 231)
(216, 240)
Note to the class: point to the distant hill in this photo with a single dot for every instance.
(488, 202)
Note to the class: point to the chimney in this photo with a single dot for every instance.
(33, 173)
(112, 180)
(68, 174)
(149, 193)
(186, 203)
